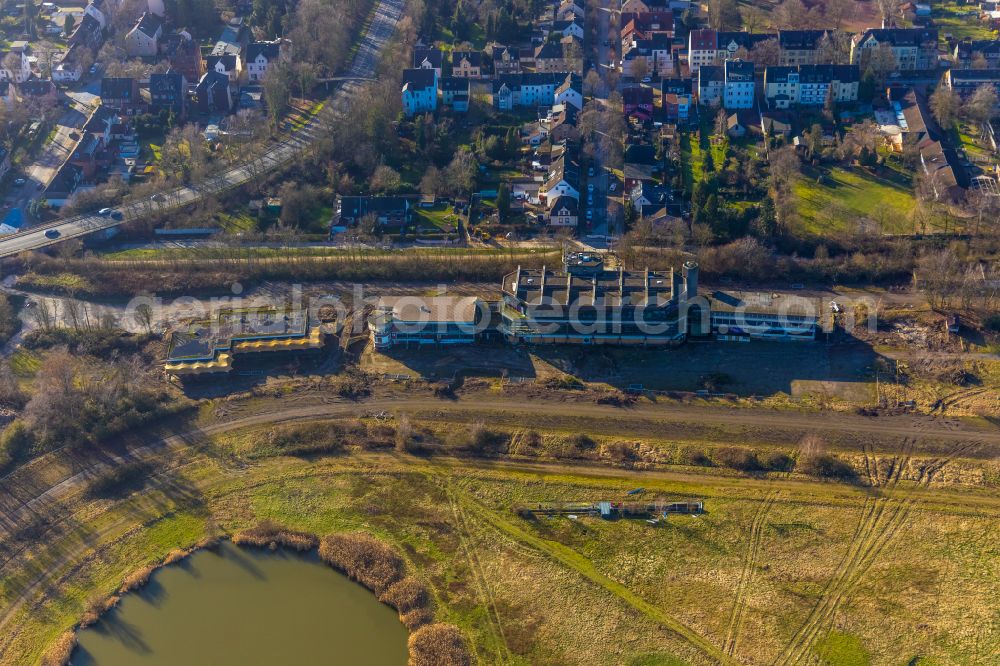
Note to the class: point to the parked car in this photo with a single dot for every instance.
(94, 69)
(104, 212)
(590, 187)
(51, 233)
(590, 199)
(590, 213)
(647, 79)
(20, 181)
(590, 171)
(117, 215)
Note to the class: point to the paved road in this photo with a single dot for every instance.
(363, 66)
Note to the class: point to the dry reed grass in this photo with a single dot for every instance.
(59, 652)
(271, 535)
(438, 645)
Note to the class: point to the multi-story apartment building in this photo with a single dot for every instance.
(913, 48)
(799, 47)
(968, 51)
(712, 47)
(536, 89)
(965, 82)
(420, 90)
(738, 92)
(810, 85)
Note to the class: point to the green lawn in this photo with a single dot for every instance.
(948, 18)
(845, 197)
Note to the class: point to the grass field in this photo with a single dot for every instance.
(844, 197)
(950, 18)
(778, 570)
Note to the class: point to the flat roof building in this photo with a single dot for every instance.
(424, 320)
(209, 346)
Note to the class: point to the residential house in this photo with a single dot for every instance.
(506, 60)
(227, 64)
(168, 92)
(776, 124)
(656, 50)
(183, 55)
(739, 85)
(214, 93)
(63, 185)
(564, 211)
(89, 31)
(563, 127)
(810, 85)
(568, 27)
(985, 51)
(677, 108)
(394, 212)
(467, 64)
(535, 89)
(68, 71)
(637, 102)
(39, 89)
(550, 57)
(711, 85)
(940, 163)
(736, 125)
(455, 93)
(569, 9)
(427, 58)
(15, 66)
(644, 25)
(120, 94)
(649, 198)
(711, 47)
(143, 40)
(420, 90)
(913, 48)
(640, 165)
(965, 82)
(259, 56)
(570, 91)
(564, 174)
(800, 47)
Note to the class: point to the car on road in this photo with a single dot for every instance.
(51, 233)
(20, 181)
(590, 187)
(117, 215)
(104, 212)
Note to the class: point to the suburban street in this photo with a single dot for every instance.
(381, 28)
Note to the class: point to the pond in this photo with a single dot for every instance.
(242, 606)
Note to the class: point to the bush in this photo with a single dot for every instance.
(438, 645)
(826, 466)
(779, 462)
(268, 534)
(136, 579)
(695, 457)
(737, 458)
(621, 453)
(120, 480)
(15, 442)
(304, 440)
